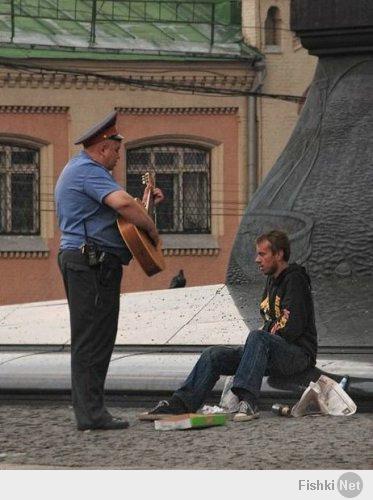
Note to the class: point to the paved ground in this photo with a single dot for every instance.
(44, 435)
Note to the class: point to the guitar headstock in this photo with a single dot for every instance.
(148, 179)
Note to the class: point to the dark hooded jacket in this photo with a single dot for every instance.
(287, 308)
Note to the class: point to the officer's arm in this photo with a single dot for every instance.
(132, 212)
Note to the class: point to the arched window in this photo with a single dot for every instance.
(272, 27)
(19, 190)
(183, 173)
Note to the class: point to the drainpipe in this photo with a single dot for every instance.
(252, 157)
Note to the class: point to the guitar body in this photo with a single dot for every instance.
(149, 257)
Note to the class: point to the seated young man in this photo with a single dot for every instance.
(286, 344)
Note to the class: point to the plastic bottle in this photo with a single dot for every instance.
(343, 382)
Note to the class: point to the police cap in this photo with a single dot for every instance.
(106, 129)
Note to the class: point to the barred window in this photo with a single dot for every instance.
(19, 190)
(183, 174)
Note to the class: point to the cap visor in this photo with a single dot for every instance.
(116, 137)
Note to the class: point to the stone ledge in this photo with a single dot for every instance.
(34, 109)
(178, 111)
(189, 244)
(54, 79)
(339, 27)
(195, 252)
(273, 49)
(21, 247)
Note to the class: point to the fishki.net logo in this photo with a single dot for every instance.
(349, 485)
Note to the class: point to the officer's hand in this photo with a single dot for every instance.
(156, 192)
(154, 236)
(158, 196)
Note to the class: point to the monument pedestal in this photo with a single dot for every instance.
(320, 188)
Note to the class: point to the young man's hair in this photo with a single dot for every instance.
(278, 240)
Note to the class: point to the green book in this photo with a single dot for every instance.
(189, 421)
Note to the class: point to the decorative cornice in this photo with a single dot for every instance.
(19, 79)
(195, 252)
(178, 111)
(24, 255)
(41, 110)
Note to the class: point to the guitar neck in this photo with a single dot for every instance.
(149, 205)
(149, 178)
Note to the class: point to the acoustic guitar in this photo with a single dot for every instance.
(149, 256)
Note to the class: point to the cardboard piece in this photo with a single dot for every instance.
(189, 421)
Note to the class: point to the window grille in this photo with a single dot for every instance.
(183, 174)
(19, 190)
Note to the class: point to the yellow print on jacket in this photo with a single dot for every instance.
(264, 308)
(277, 307)
(281, 322)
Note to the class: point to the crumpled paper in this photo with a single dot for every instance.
(324, 397)
(211, 410)
(229, 401)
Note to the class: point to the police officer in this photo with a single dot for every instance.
(92, 252)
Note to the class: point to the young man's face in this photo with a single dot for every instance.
(268, 262)
(110, 154)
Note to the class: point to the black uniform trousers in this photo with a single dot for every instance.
(93, 297)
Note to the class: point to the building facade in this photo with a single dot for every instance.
(178, 78)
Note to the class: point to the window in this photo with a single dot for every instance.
(272, 27)
(19, 190)
(236, 9)
(183, 174)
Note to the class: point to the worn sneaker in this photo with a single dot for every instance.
(162, 410)
(246, 412)
(163, 407)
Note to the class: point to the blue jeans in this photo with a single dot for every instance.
(263, 354)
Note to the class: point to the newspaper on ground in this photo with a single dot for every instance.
(324, 397)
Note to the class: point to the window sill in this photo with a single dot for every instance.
(23, 246)
(297, 46)
(272, 49)
(189, 244)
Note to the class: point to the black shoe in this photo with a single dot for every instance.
(166, 408)
(107, 425)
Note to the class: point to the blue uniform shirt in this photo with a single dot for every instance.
(79, 194)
